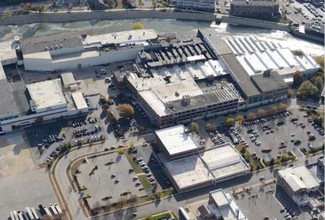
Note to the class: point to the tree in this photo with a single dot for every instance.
(126, 110)
(261, 112)
(229, 121)
(282, 106)
(140, 3)
(137, 26)
(208, 127)
(40, 8)
(105, 107)
(274, 108)
(159, 194)
(308, 90)
(240, 119)
(194, 127)
(251, 115)
(320, 60)
(277, 162)
(242, 150)
(297, 79)
(164, 4)
(154, 3)
(298, 52)
(318, 82)
(290, 93)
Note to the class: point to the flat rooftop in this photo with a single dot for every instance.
(79, 100)
(299, 178)
(216, 163)
(176, 140)
(254, 2)
(68, 78)
(47, 94)
(267, 83)
(123, 37)
(7, 52)
(213, 39)
(8, 104)
(61, 41)
(240, 75)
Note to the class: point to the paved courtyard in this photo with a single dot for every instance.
(108, 180)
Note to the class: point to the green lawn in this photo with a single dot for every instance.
(161, 215)
(145, 182)
(136, 167)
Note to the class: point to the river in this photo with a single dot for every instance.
(166, 25)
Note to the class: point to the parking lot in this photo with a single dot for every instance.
(112, 181)
(278, 136)
(46, 138)
(259, 202)
(302, 13)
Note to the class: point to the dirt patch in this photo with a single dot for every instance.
(15, 155)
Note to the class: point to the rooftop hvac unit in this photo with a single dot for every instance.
(32, 105)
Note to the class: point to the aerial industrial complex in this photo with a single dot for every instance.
(176, 80)
(171, 82)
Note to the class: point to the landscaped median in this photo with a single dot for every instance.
(161, 215)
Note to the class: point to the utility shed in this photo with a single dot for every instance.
(79, 101)
(68, 80)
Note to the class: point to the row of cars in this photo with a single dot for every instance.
(89, 140)
(146, 170)
(266, 119)
(80, 122)
(313, 10)
(236, 137)
(86, 131)
(54, 154)
(31, 213)
(216, 138)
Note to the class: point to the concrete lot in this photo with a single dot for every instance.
(260, 202)
(15, 155)
(102, 184)
(26, 189)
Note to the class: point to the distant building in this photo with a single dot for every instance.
(200, 5)
(190, 166)
(25, 104)
(299, 183)
(221, 206)
(70, 51)
(254, 8)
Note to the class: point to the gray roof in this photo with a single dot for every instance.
(267, 83)
(38, 44)
(239, 74)
(203, 100)
(8, 104)
(21, 96)
(218, 44)
(259, 2)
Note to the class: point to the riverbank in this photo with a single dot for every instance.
(105, 15)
